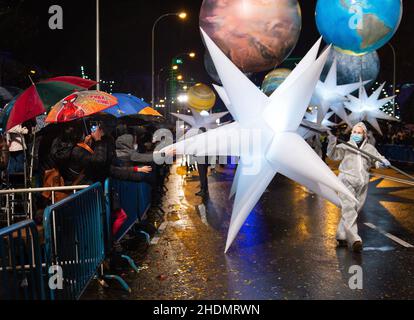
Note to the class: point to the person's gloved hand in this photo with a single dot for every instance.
(385, 163)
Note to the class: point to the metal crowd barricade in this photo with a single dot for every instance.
(9, 195)
(404, 154)
(74, 240)
(20, 263)
(135, 200)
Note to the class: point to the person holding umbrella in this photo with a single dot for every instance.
(354, 173)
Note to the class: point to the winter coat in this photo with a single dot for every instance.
(126, 153)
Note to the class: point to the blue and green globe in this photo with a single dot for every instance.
(274, 79)
(358, 26)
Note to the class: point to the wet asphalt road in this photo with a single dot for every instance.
(286, 249)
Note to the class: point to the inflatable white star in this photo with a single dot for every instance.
(201, 119)
(313, 117)
(274, 146)
(329, 95)
(366, 108)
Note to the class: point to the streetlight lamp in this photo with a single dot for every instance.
(190, 54)
(182, 16)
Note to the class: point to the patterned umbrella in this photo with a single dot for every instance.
(40, 97)
(129, 105)
(79, 105)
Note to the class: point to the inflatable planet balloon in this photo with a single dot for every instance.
(274, 79)
(211, 69)
(201, 97)
(257, 35)
(352, 68)
(358, 27)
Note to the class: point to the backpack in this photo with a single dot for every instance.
(53, 178)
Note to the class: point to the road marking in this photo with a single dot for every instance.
(403, 181)
(389, 235)
(160, 231)
(203, 215)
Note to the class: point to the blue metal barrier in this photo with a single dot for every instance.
(20, 263)
(144, 195)
(398, 153)
(74, 240)
(135, 200)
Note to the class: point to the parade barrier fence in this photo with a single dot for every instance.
(398, 153)
(10, 195)
(134, 198)
(75, 240)
(20, 263)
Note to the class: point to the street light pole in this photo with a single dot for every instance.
(98, 48)
(181, 15)
(394, 78)
(174, 62)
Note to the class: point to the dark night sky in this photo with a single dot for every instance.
(126, 39)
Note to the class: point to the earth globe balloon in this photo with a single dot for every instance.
(201, 97)
(358, 27)
(257, 35)
(352, 68)
(274, 79)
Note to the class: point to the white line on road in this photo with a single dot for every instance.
(403, 181)
(203, 215)
(389, 235)
(160, 231)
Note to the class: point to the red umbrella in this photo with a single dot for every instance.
(40, 97)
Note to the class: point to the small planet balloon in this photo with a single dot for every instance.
(201, 97)
(274, 79)
(257, 35)
(358, 27)
(352, 68)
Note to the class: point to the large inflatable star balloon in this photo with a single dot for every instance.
(201, 119)
(368, 109)
(266, 131)
(330, 95)
(306, 130)
(312, 119)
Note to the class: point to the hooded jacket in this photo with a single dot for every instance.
(126, 153)
(355, 166)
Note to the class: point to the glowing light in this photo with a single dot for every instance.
(182, 98)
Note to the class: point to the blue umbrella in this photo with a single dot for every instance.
(127, 105)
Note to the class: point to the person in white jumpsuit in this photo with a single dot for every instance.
(354, 173)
